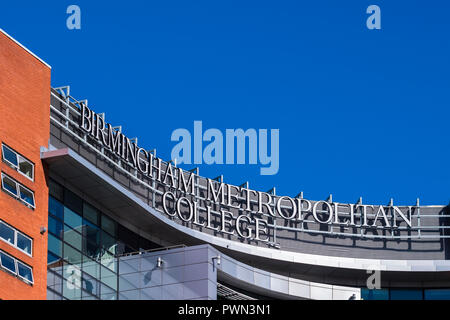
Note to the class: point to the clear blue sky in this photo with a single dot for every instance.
(360, 112)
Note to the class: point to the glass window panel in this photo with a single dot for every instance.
(72, 219)
(129, 238)
(91, 285)
(92, 249)
(55, 227)
(91, 267)
(109, 278)
(9, 155)
(26, 196)
(6, 233)
(104, 289)
(71, 290)
(90, 213)
(91, 232)
(376, 294)
(24, 243)
(55, 207)
(109, 225)
(109, 296)
(407, 294)
(26, 167)
(73, 202)
(109, 261)
(53, 296)
(56, 190)
(74, 239)
(108, 242)
(8, 262)
(9, 185)
(54, 245)
(52, 260)
(25, 272)
(72, 255)
(437, 294)
(145, 244)
(54, 281)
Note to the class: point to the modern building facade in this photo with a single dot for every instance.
(86, 213)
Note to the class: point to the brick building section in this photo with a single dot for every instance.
(25, 127)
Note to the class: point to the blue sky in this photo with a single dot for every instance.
(361, 112)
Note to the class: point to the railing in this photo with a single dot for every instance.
(149, 250)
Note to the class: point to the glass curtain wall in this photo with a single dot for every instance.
(82, 246)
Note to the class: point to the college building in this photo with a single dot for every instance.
(86, 213)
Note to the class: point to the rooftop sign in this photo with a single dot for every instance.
(242, 212)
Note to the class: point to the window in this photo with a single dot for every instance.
(18, 162)
(9, 185)
(55, 207)
(55, 227)
(72, 219)
(7, 262)
(406, 294)
(437, 294)
(18, 268)
(24, 243)
(16, 238)
(26, 195)
(18, 191)
(375, 294)
(108, 225)
(7, 233)
(54, 245)
(25, 272)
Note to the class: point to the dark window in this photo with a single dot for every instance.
(26, 195)
(108, 242)
(437, 294)
(55, 227)
(109, 225)
(24, 243)
(128, 238)
(73, 202)
(376, 294)
(407, 294)
(54, 245)
(8, 262)
(90, 213)
(55, 208)
(9, 185)
(10, 156)
(72, 219)
(7, 233)
(91, 232)
(145, 244)
(51, 258)
(56, 190)
(18, 162)
(25, 272)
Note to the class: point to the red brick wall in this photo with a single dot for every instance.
(25, 127)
